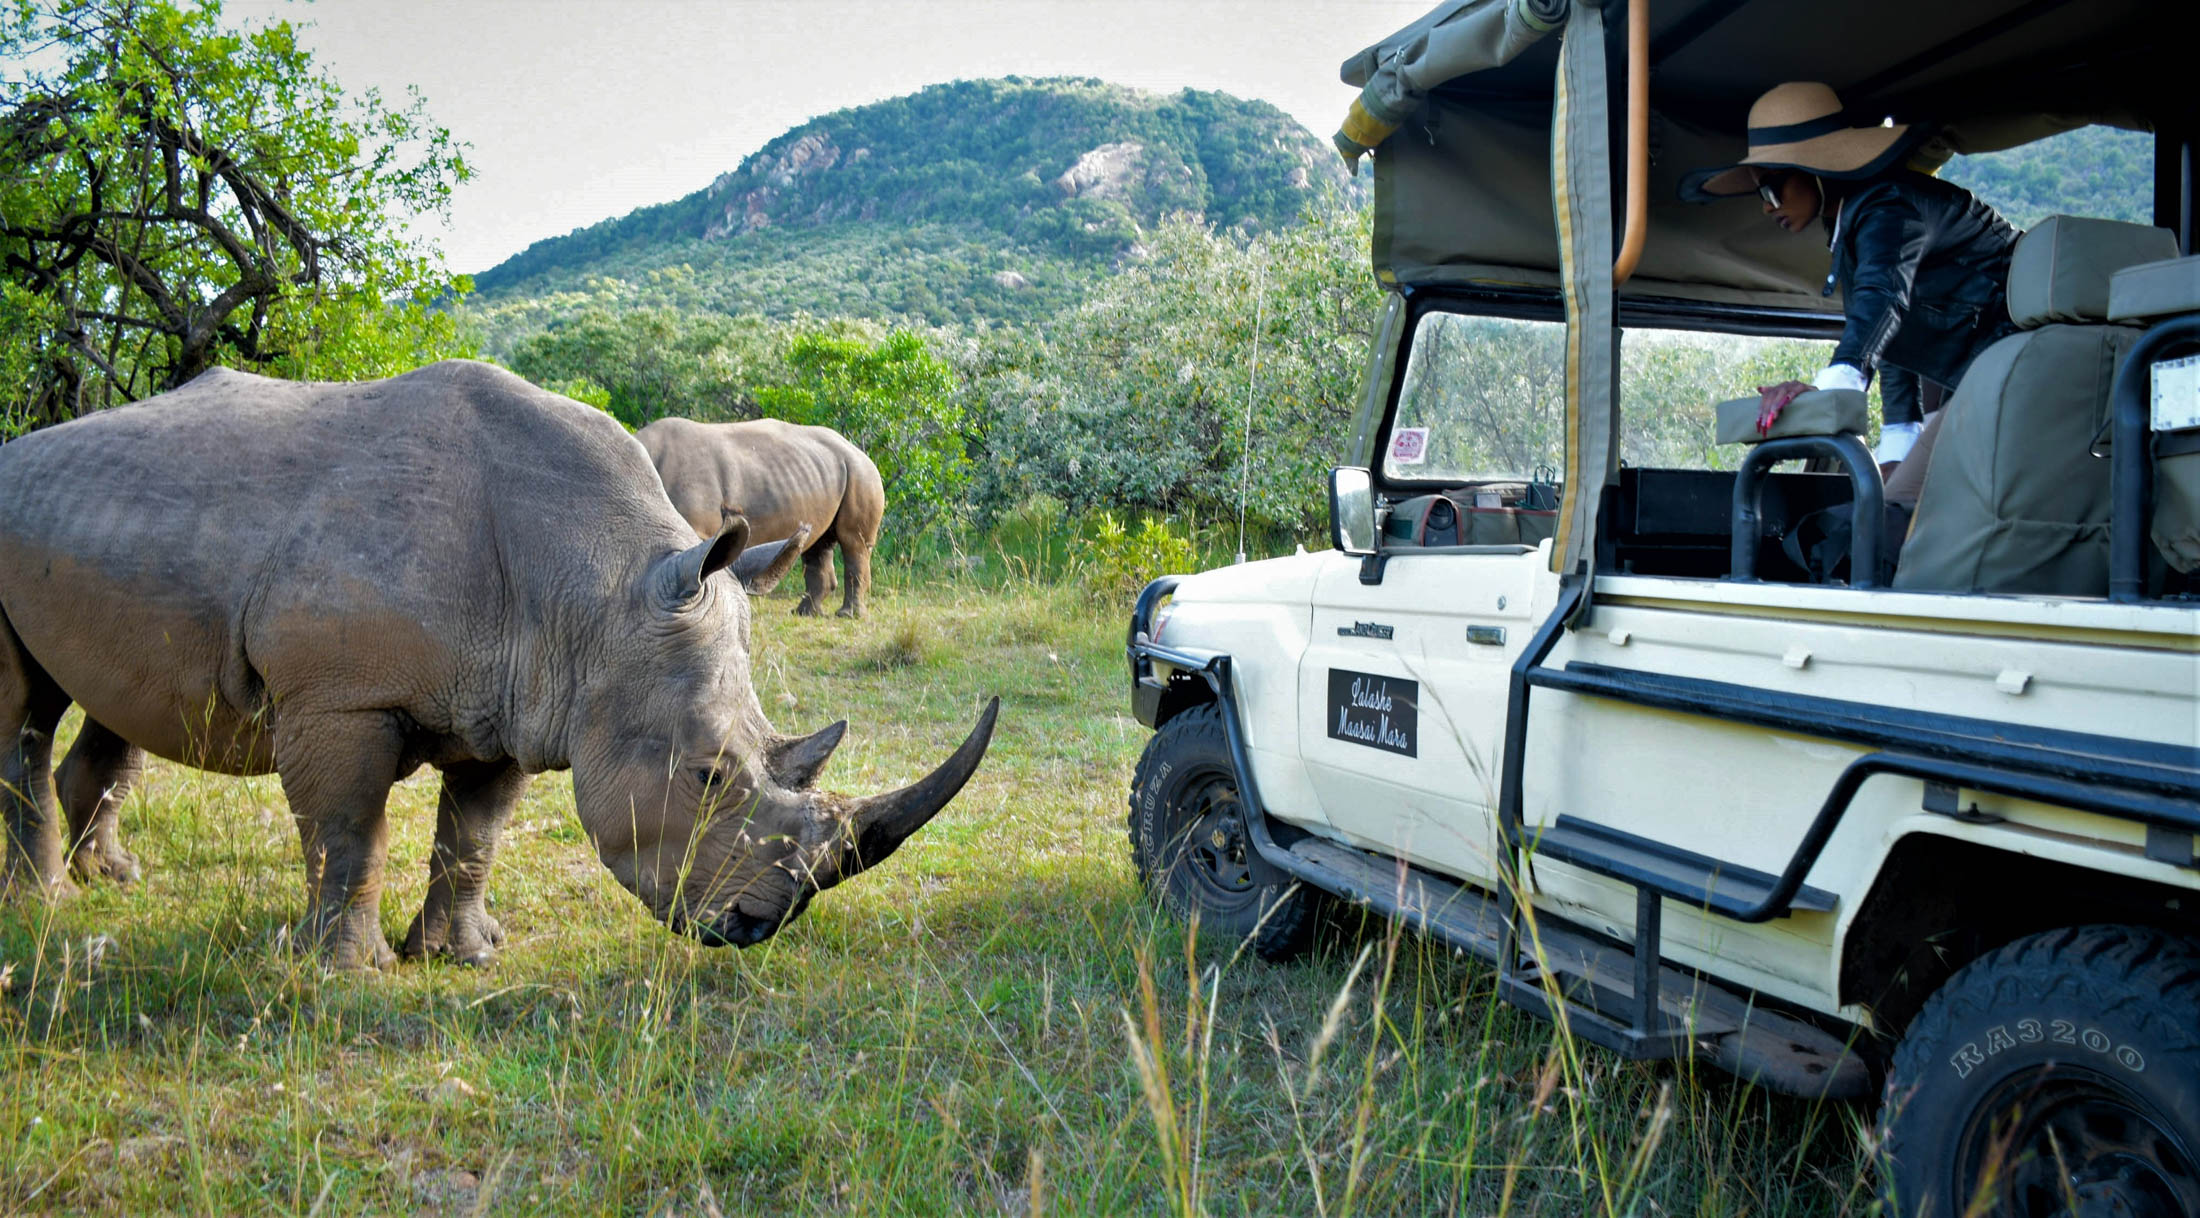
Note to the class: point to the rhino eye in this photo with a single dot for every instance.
(713, 777)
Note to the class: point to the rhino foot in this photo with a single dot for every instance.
(474, 943)
(346, 955)
(849, 611)
(112, 864)
(808, 608)
(25, 886)
(344, 947)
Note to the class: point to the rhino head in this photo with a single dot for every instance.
(697, 806)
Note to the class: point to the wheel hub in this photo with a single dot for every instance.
(2078, 1148)
(1217, 850)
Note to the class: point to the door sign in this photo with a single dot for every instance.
(1376, 711)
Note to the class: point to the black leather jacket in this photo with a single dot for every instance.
(1923, 268)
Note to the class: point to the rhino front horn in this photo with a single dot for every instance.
(881, 823)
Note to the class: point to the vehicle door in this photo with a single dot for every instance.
(1402, 690)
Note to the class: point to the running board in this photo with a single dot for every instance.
(1696, 880)
(1586, 985)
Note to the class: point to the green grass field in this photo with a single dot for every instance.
(993, 1021)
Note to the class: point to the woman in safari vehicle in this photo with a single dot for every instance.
(1922, 264)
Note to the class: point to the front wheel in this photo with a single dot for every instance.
(1189, 842)
(2058, 1076)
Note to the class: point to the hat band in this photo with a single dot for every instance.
(1795, 132)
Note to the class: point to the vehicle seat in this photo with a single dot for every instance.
(2014, 500)
(2158, 291)
(1520, 513)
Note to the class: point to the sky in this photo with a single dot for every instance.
(581, 110)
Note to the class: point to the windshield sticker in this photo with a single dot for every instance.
(1375, 711)
(1408, 445)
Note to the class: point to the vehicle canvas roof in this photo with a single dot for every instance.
(1462, 189)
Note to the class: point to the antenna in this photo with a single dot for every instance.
(1252, 389)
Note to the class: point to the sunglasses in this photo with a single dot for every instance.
(1768, 189)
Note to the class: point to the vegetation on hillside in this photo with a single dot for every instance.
(176, 195)
(977, 199)
(2093, 171)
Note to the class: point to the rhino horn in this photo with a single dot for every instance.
(881, 823)
(793, 761)
(762, 566)
(680, 576)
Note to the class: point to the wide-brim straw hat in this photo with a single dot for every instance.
(1801, 125)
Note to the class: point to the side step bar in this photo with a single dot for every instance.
(1574, 978)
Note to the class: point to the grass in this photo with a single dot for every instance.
(994, 1021)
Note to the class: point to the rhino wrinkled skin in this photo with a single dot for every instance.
(343, 582)
(783, 477)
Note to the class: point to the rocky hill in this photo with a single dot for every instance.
(1005, 195)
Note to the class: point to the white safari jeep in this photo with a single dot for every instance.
(1646, 722)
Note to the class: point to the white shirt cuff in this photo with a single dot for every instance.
(1840, 376)
(1895, 441)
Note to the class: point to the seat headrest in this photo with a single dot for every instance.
(2062, 265)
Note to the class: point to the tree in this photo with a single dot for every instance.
(896, 401)
(655, 362)
(176, 195)
(1219, 370)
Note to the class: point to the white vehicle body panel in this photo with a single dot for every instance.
(1737, 792)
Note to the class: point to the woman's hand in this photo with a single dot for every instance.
(1772, 399)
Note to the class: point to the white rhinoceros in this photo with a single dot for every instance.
(783, 477)
(344, 582)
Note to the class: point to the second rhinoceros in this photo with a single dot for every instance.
(783, 477)
(344, 582)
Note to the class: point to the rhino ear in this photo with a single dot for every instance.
(680, 576)
(793, 761)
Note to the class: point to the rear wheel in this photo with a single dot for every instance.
(2058, 1076)
(1188, 839)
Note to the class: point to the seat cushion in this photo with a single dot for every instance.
(2013, 500)
(1821, 412)
(2061, 268)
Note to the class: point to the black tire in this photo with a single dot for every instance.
(2066, 1066)
(1188, 842)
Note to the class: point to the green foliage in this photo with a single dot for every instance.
(893, 399)
(2092, 171)
(175, 194)
(653, 362)
(923, 274)
(1118, 562)
(1216, 365)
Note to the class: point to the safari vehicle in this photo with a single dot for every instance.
(1578, 709)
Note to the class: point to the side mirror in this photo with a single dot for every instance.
(1352, 510)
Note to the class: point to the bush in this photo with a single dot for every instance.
(1119, 562)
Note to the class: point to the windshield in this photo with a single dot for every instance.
(1483, 400)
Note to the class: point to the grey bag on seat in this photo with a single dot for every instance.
(1820, 412)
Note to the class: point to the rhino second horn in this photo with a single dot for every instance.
(794, 761)
(881, 823)
(762, 566)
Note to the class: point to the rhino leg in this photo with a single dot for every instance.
(336, 771)
(454, 921)
(817, 579)
(95, 778)
(857, 558)
(31, 706)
